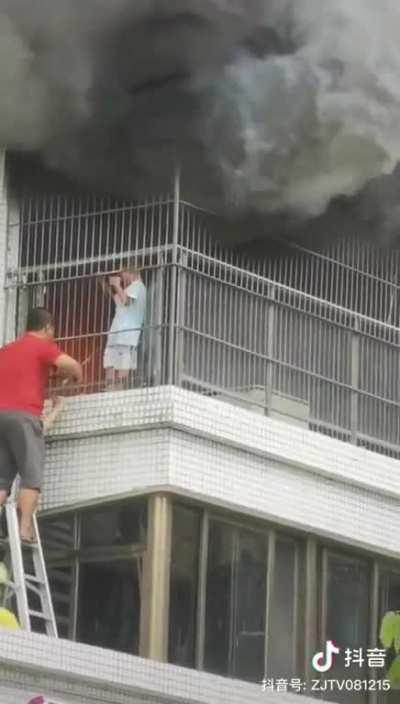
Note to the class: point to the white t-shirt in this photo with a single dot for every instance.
(129, 318)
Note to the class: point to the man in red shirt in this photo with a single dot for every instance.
(24, 373)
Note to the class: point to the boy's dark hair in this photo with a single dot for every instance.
(38, 319)
(130, 264)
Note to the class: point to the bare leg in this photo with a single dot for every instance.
(110, 378)
(27, 503)
(123, 378)
(3, 497)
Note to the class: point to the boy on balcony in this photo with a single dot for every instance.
(120, 355)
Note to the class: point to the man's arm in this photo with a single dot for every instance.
(49, 420)
(69, 367)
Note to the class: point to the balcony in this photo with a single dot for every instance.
(308, 338)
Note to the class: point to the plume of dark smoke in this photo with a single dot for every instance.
(271, 106)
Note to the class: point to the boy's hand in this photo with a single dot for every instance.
(115, 281)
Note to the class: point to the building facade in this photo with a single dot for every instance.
(210, 528)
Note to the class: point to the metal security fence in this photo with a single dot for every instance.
(303, 336)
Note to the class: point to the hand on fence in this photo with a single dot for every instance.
(58, 402)
(114, 281)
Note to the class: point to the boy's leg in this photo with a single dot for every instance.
(127, 366)
(111, 375)
(109, 363)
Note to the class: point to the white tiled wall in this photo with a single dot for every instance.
(72, 673)
(89, 469)
(167, 437)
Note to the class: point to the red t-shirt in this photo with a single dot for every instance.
(24, 373)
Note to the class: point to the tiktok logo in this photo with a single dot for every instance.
(323, 662)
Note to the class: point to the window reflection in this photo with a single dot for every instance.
(236, 599)
(282, 648)
(347, 620)
(93, 560)
(184, 583)
(109, 605)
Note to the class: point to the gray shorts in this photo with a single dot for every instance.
(22, 450)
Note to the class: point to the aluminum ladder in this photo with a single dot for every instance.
(28, 584)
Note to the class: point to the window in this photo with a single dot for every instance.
(282, 651)
(219, 598)
(235, 602)
(58, 535)
(184, 583)
(114, 525)
(226, 576)
(347, 607)
(94, 560)
(390, 592)
(61, 581)
(109, 605)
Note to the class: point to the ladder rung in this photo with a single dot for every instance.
(29, 546)
(32, 578)
(39, 614)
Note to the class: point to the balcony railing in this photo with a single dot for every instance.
(215, 323)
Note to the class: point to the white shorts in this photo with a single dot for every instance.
(120, 357)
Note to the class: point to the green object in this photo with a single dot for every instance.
(390, 631)
(8, 620)
(390, 639)
(394, 674)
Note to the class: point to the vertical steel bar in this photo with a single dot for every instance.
(202, 592)
(174, 278)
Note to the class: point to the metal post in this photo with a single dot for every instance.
(180, 321)
(355, 380)
(22, 307)
(269, 376)
(9, 255)
(269, 598)
(202, 592)
(156, 586)
(174, 278)
(311, 608)
(374, 624)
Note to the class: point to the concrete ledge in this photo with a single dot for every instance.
(72, 673)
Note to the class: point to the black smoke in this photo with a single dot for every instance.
(282, 112)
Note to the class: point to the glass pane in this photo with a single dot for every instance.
(219, 598)
(282, 645)
(250, 607)
(117, 524)
(61, 587)
(393, 603)
(347, 618)
(57, 534)
(109, 605)
(184, 580)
